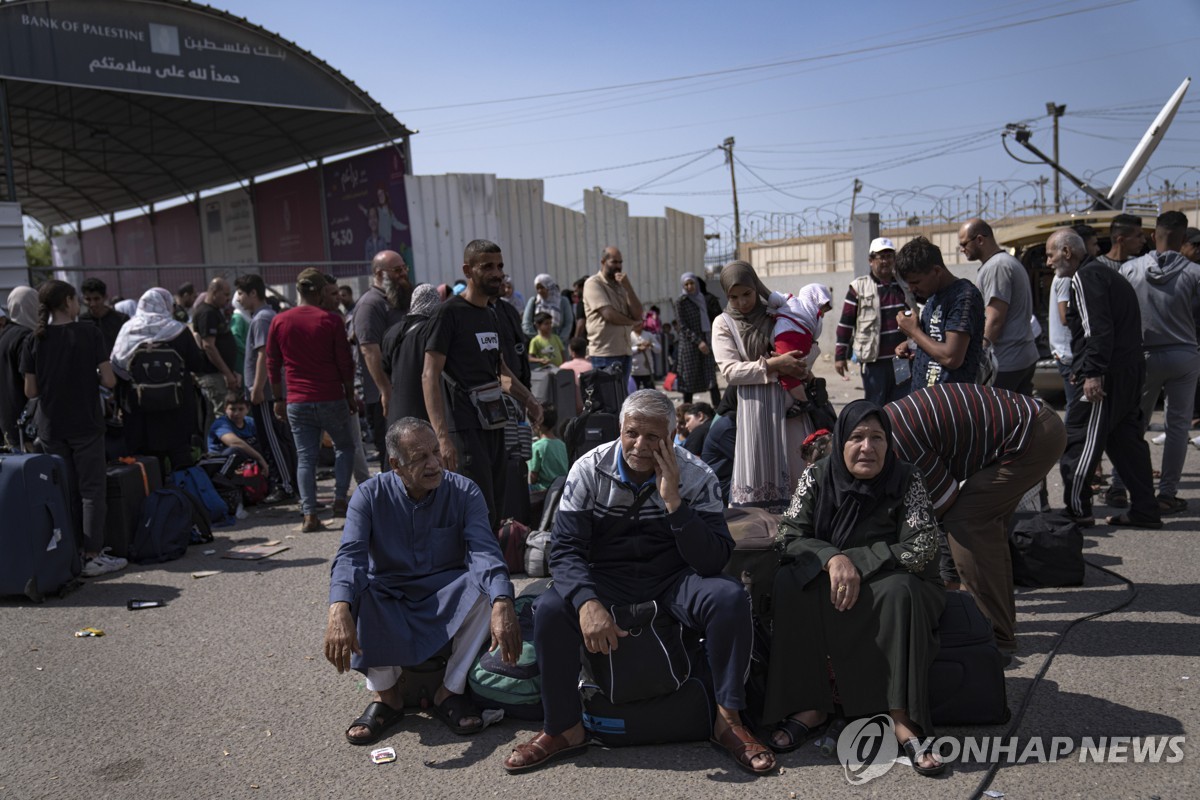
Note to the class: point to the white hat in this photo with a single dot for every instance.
(881, 244)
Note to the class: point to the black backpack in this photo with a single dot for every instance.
(604, 389)
(588, 431)
(166, 528)
(157, 377)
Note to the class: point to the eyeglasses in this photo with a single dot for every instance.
(963, 245)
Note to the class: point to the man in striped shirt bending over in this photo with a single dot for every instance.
(1001, 444)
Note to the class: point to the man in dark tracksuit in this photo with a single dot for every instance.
(640, 520)
(1106, 340)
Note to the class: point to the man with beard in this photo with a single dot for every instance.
(612, 308)
(380, 307)
(463, 356)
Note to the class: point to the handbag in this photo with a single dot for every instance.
(1046, 550)
(669, 381)
(488, 401)
(650, 662)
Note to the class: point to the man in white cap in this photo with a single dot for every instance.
(868, 326)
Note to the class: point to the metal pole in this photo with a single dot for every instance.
(6, 125)
(727, 146)
(1056, 111)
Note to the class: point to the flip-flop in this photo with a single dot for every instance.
(1124, 521)
(378, 717)
(798, 734)
(454, 708)
(541, 750)
(1171, 505)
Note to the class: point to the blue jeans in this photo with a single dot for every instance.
(879, 382)
(308, 420)
(599, 362)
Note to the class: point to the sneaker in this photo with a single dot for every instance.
(276, 497)
(102, 564)
(1196, 442)
(1162, 437)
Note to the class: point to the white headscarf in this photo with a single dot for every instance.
(23, 307)
(153, 322)
(552, 304)
(128, 307)
(812, 297)
(697, 297)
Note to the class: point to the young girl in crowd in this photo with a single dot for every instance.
(545, 349)
(65, 363)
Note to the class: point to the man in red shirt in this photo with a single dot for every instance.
(308, 346)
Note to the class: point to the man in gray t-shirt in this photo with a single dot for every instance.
(379, 308)
(1008, 309)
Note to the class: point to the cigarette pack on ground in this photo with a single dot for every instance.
(383, 755)
(253, 552)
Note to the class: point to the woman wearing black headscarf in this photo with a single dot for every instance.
(861, 597)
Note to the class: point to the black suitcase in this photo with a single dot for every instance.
(604, 389)
(685, 715)
(37, 537)
(967, 677)
(555, 388)
(755, 558)
(126, 496)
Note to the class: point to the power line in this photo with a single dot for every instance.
(780, 63)
(622, 166)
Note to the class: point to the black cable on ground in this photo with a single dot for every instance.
(990, 775)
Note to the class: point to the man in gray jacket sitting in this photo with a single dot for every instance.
(1166, 283)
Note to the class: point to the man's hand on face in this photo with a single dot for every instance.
(666, 471)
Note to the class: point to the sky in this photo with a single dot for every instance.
(910, 97)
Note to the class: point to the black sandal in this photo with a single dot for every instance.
(378, 717)
(910, 750)
(798, 734)
(454, 708)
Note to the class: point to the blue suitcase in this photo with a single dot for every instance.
(41, 554)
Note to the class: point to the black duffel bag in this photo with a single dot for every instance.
(1047, 550)
(650, 662)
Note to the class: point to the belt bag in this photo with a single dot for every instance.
(650, 662)
(488, 400)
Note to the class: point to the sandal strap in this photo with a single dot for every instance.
(539, 748)
(744, 746)
(794, 728)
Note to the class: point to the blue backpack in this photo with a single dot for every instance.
(165, 530)
(195, 481)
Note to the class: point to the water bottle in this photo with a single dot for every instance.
(828, 742)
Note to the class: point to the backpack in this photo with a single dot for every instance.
(195, 481)
(1046, 550)
(165, 529)
(157, 376)
(604, 389)
(537, 554)
(516, 688)
(512, 536)
(588, 431)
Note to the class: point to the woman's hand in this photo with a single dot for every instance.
(791, 364)
(703, 347)
(844, 582)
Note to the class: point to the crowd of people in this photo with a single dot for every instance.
(909, 494)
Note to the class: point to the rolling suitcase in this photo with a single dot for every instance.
(555, 388)
(969, 670)
(41, 553)
(126, 495)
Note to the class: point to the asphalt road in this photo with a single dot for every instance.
(224, 691)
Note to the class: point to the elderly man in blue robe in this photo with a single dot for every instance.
(418, 567)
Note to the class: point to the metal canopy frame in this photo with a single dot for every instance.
(79, 152)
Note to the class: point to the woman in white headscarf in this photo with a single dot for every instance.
(22, 319)
(549, 298)
(165, 434)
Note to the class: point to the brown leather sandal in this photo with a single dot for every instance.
(739, 742)
(542, 750)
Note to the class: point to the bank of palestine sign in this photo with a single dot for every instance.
(160, 48)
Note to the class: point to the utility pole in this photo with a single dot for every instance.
(1056, 111)
(858, 187)
(727, 146)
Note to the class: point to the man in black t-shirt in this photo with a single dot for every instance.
(98, 311)
(464, 344)
(220, 349)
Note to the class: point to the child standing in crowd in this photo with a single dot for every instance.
(545, 349)
(65, 363)
(645, 346)
(549, 459)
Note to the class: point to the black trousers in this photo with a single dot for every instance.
(1115, 425)
(483, 459)
(1018, 380)
(280, 451)
(379, 427)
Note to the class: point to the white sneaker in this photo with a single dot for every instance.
(1162, 437)
(1196, 443)
(102, 564)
